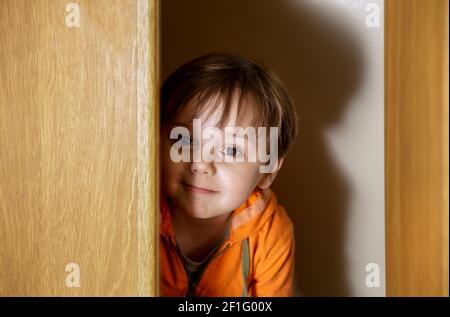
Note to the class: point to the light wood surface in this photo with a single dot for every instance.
(417, 207)
(77, 148)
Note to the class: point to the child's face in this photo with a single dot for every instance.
(208, 189)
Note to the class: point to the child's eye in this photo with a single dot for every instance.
(186, 140)
(232, 151)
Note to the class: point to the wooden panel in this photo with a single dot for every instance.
(417, 147)
(77, 162)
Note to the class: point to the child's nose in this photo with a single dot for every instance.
(203, 168)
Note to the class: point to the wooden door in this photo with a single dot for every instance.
(77, 147)
(416, 123)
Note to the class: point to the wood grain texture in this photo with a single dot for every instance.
(417, 147)
(77, 165)
(148, 127)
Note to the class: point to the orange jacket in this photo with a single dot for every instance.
(260, 233)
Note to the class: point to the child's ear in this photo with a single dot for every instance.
(268, 178)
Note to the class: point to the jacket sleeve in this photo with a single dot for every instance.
(274, 272)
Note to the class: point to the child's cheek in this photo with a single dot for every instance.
(238, 177)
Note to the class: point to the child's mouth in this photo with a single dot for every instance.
(200, 190)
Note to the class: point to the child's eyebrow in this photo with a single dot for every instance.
(190, 126)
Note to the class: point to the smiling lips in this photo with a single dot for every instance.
(199, 190)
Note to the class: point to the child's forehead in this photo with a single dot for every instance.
(213, 112)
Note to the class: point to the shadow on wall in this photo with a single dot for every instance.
(322, 66)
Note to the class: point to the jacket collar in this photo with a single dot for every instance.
(244, 221)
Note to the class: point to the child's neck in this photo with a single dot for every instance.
(197, 237)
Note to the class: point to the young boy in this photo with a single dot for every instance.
(222, 232)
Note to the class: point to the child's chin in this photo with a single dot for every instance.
(200, 215)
